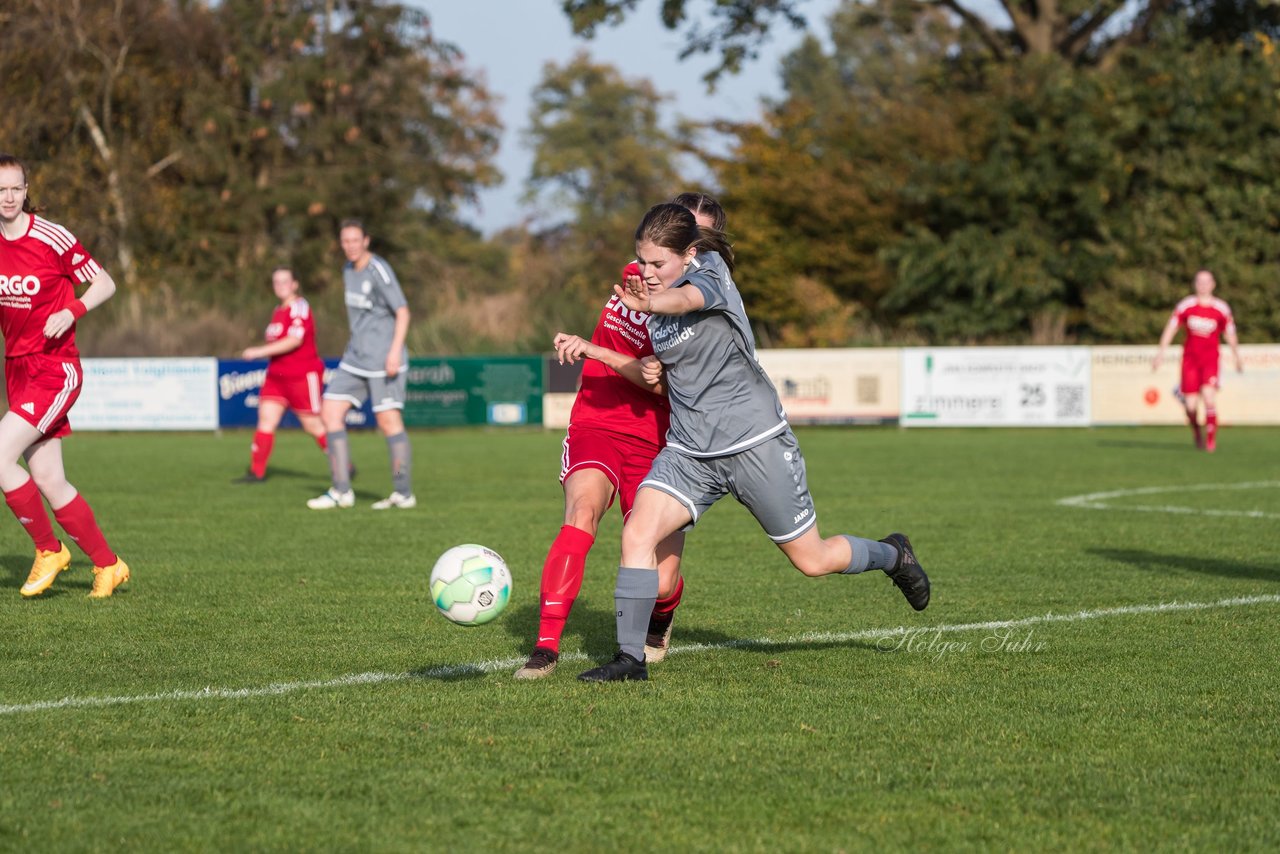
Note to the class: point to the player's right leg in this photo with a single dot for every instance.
(588, 492)
(657, 639)
(23, 498)
(656, 516)
(345, 391)
(1190, 386)
(270, 411)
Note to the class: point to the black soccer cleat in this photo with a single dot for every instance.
(907, 572)
(623, 668)
(248, 477)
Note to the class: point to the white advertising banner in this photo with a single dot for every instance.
(845, 385)
(147, 394)
(995, 387)
(1127, 391)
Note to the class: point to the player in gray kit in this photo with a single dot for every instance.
(373, 367)
(728, 435)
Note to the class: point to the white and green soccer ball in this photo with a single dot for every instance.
(470, 584)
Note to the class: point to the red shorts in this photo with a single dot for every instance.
(1197, 374)
(301, 393)
(42, 389)
(624, 460)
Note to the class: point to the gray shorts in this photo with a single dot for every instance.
(769, 480)
(385, 393)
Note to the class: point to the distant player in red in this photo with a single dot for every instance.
(616, 427)
(295, 375)
(1207, 320)
(40, 265)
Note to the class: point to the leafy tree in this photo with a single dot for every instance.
(202, 144)
(601, 157)
(1080, 31)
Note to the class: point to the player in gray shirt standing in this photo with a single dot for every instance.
(728, 435)
(373, 367)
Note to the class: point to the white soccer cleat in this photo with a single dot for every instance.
(395, 499)
(331, 499)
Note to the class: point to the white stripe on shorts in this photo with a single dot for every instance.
(674, 493)
(313, 390)
(56, 410)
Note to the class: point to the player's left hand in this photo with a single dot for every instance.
(393, 365)
(58, 323)
(570, 348)
(634, 294)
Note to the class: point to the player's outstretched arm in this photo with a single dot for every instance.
(100, 289)
(279, 347)
(571, 348)
(636, 296)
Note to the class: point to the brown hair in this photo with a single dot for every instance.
(352, 223)
(673, 227)
(701, 203)
(10, 160)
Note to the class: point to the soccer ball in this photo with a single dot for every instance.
(470, 584)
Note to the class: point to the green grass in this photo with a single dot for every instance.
(782, 721)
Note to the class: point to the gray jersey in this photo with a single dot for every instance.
(373, 295)
(722, 402)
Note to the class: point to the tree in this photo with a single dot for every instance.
(202, 144)
(1080, 31)
(601, 157)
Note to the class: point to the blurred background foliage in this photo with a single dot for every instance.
(930, 178)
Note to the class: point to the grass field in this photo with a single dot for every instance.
(1097, 675)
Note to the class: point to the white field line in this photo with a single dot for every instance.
(1101, 500)
(454, 671)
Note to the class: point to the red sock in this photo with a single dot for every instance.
(561, 580)
(323, 441)
(1192, 419)
(664, 607)
(77, 520)
(261, 450)
(26, 504)
(1210, 427)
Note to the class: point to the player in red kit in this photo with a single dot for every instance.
(1207, 320)
(40, 264)
(295, 375)
(616, 427)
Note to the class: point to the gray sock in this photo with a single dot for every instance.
(340, 460)
(401, 463)
(869, 554)
(634, 597)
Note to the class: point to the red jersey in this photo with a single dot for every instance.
(38, 272)
(1205, 325)
(296, 321)
(609, 401)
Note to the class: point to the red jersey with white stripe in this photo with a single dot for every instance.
(296, 321)
(38, 274)
(1205, 325)
(609, 401)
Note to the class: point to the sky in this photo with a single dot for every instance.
(510, 41)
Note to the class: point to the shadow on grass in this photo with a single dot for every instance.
(76, 580)
(596, 632)
(1156, 562)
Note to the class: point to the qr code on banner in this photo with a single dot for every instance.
(1070, 399)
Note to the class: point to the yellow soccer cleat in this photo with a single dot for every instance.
(45, 569)
(107, 578)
